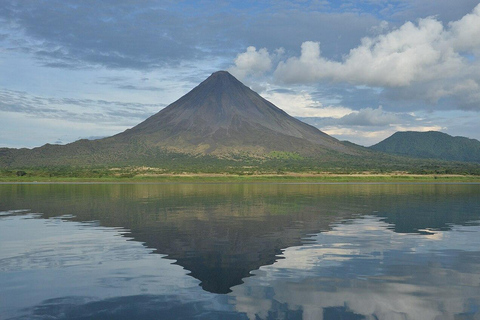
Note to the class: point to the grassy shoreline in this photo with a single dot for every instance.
(266, 178)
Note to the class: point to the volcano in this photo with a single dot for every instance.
(222, 116)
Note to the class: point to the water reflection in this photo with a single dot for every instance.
(370, 272)
(68, 270)
(315, 251)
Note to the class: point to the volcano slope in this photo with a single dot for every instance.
(222, 117)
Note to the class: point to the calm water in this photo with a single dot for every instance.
(247, 251)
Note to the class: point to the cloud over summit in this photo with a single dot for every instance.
(251, 62)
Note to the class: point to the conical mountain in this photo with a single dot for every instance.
(219, 118)
(222, 116)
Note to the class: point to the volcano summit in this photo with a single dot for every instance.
(222, 116)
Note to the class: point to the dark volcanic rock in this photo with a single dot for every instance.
(223, 115)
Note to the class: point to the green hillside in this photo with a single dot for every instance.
(431, 145)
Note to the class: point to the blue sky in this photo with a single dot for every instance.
(358, 70)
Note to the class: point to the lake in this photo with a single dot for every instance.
(239, 251)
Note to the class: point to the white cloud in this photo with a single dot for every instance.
(252, 62)
(303, 105)
(425, 59)
(399, 58)
(361, 136)
(465, 33)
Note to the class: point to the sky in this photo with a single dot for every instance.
(357, 70)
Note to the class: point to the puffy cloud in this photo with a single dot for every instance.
(465, 33)
(410, 53)
(424, 59)
(251, 62)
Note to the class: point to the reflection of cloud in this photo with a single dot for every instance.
(58, 259)
(372, 271)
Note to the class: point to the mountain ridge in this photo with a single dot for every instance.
(430, 145)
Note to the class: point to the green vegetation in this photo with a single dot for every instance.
(157, 165)
(283, 155)
(432, 145)
(146, 174)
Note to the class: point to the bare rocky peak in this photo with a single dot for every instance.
(222, 112)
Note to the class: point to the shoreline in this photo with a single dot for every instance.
(260, 178)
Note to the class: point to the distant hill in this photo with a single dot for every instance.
(432, 145)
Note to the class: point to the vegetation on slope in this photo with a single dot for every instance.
(431, 145)
(278, 164)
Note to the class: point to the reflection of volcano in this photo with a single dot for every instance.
(220, 233)
(221, 253)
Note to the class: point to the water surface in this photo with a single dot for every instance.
(239, 251)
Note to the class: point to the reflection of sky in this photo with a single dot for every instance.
(54, 260)
(366, 268)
